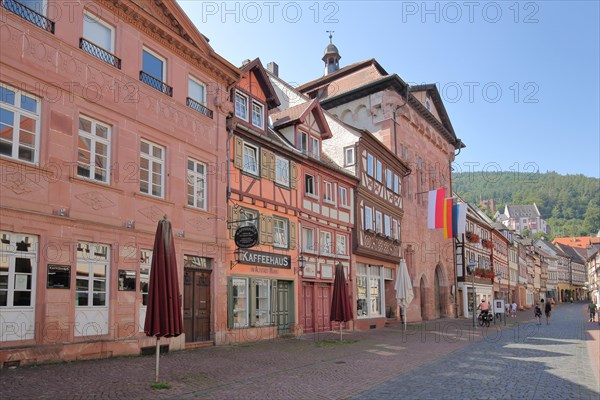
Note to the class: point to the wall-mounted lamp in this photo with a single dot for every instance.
(180, 234)
(130, 224)
(63, 212)
(301, 261)
(236, 257)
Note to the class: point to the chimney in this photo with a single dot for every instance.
(273, 68)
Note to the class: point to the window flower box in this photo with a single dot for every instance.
(486, 243)
(472, 237)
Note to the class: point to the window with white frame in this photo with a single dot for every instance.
(98, 32)
(303, 142)
(387, 226)
(262, 309)
(282, 171)
(154, 65)
(250, 302)
(196, 90)
(152, 165)
(92, 272)
(395, 229)
(239, 303)
(396, 184)
(378, 222)
(257, 114)
(145, 265)
(341, 245)
(250, 159)
(369, 283)
(18, 266)
(349, 156)
(379, 171)
(325, 242)
(19, 124)
(196, 180)
(343, 196)
(308, 239)
(280, 232)
(328, 193)
(241, 106)
(370, 162)
(368, 218)
(314, 147)
(93, 154)
(389, 178)
(309, 185)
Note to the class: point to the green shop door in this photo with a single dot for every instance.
(283, 310)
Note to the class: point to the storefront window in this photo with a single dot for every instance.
(262, 302)
(239, 302)
(369, 285)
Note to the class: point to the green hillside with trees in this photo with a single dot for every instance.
(570, 204)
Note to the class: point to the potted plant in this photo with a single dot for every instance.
(486, 243)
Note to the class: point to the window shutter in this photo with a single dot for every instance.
(266, 160)
(274, 302)
(292, 232)
(252, 302)
(233, 219)
(238, 152)
(229, 303)
(272, 165)
(293, 175)
(266, 229)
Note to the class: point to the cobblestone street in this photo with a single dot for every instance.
(439, 359)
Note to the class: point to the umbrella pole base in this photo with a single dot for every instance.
(157, 359)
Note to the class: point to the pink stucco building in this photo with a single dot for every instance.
(112, 115)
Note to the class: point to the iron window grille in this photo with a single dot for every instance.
(156, 83)
(28, 14)
(99, 52)
(199, 107)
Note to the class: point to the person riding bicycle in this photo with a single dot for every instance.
(484, 306)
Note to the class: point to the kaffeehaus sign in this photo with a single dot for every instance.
(264, 259)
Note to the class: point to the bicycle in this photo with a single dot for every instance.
(485, 319)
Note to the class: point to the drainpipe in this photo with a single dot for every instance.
(229, 126)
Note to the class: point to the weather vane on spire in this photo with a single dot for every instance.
(330, 36)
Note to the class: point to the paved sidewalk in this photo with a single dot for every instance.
(311, 367)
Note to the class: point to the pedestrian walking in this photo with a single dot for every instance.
(547, 311)
(592, 310)
(537, 312)
(514, 309)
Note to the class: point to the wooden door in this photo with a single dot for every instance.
(196, 305)
(307, 303)
(323, 307)
(283, 308)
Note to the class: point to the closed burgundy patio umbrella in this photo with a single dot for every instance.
(341, 311)
(163, 313)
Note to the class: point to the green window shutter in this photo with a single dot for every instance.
(234, 217)
(266, 229)
(238, 152)
(273, 302)
(252, 302)
(293, 175)
(292, 235)
(229, 303)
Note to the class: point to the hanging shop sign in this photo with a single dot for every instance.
(246, 236)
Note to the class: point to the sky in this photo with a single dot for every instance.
(519, 80)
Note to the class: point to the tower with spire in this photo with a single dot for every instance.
(331, 56)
